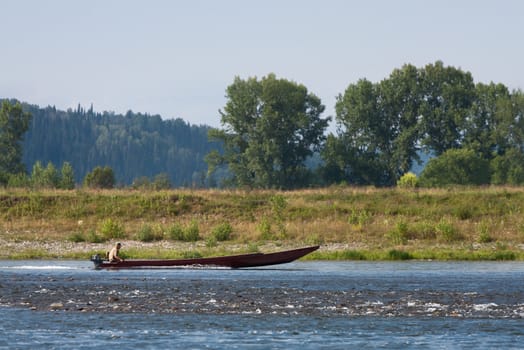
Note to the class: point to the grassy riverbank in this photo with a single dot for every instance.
(349, 223)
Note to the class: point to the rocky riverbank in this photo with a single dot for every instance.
(78, 250)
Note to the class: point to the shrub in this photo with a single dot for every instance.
(222, 232)
(111, 229)
(408, 180)
(456, 167)
(176, 232)
(191, 232)
(141, 182)
(502, 256)
(161, 182)
(191, 255)
(447, 232)
(278, 206)
(484, 236)
(508, 168)
(211, 242)
(359, 217)
(253, 247)
(17, 180)
(148, 234)
(92, 237)
(350, 255)
(400, 234)
(399, 255)
(463, 213)
(264, 228)
(76, 237)
(315, 239)
(425, 230)
(100, 178)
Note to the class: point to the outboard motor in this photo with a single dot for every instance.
(97, 260)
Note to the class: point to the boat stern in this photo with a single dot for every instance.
(97, 260)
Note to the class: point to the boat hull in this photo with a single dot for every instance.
(232, 261)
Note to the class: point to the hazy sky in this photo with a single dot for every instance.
(176, 58)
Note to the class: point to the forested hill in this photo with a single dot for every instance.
(133, 145)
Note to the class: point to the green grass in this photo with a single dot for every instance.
(443, 254)
(436, 254)
(386, 224)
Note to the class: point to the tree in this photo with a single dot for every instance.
(447, 95)
(20, 180)
(510, 130)
(161, 182)
(270, 127)
(378, 129)
(486, 131)
(141, 182)
(356, 150)
(51, 176)
(133, 144)
(456, 167)
(37, 175)
(14, 122)
(47, 177)
(67, 178)
(383, 126)
(508, 168)
(100, 177)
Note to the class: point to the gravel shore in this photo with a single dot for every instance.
(59, 248)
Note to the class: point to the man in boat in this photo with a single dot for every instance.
(113, 254)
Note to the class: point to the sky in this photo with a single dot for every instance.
(176, 58)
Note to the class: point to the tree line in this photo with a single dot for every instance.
(271, 126)
(435, 109)
(273, 130)
(134, 145)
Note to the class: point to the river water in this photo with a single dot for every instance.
(306, 305)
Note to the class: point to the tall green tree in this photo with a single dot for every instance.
(510, 131)
(270, 127)
(447, 95)
(490, 112)
(363, 132)
(14, 122)
(495, 130)
(383, 126)
(378, 129)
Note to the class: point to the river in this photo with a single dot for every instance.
(306, 305)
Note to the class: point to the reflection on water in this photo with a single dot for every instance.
(305, 304)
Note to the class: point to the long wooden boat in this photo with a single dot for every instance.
(232, 261)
